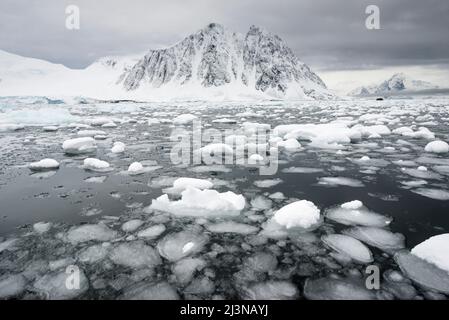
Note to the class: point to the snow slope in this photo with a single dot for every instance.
(213, 63)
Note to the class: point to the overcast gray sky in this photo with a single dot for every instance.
(329, 35)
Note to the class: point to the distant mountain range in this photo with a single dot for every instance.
(398, 83)
(213, 63)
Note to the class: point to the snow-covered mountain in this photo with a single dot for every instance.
(399, 82)
(213, 63)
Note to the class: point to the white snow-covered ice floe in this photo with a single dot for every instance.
(180, 184)
(301, 213)
(299, 216)
(95, 164)
(79, 145)
(434, 250)
(437, 147)
(197, 202)
(118, 147)
(44, 164)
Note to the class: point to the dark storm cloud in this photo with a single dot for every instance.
(327, 34)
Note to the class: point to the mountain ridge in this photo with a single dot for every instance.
(212, 63)
(398, 82)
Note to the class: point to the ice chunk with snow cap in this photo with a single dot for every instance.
(196, 202)
(79, 145)
(437, 147)
(355, 213)
(44, 164)
(434, 250)
(303, 214)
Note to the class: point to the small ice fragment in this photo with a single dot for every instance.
(118, 147)
(135, 167)
(42, 227)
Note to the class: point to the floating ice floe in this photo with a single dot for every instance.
(8, 244)
(224, 120)
(271, 290)
(118, 147)
(180, 184)
(289, 144)
(214, 150)
(301, 170)
(53, 286)
(184, 119)
(95, 164)
(437, 147)
(337, 289)
(196, 202)
(231, 227)
(377, 237)
(131, 225)
(348, 246)
(175, 246)
(425, 274)
(152, 232)
(434, 250)
(209, 168)
(421, 133)
(437, 194)
(12, 285)
(340, 181)
(135, 167)
(42, 227)
(261, 203)
(260, 262)
(99, 179)
(50, 128)
(88, 232)
(355, 213)
(255, 158)
(93, 253)
(10, 127)
(421, 174)
(184, 269)
(111, 124)
(90, 133)
(442, 169)
(277, 196)
(330, 135)
(268, 183)
(150, 291)
(79, 145)
(135, 255)
(44, 164)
